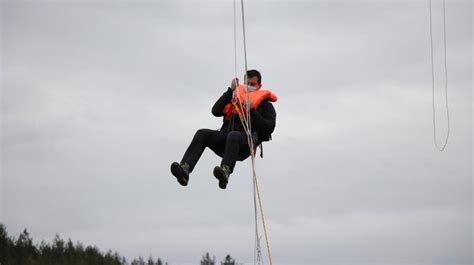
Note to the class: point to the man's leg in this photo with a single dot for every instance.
(202, 139)
(236, 146)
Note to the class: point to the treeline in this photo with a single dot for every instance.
(22, 251)
(207, 260)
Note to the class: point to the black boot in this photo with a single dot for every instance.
(181, 172)
(222, 173)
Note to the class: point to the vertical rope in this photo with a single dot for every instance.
(246, 124)
(235, 44)
(433, 78)
(246, 68)
(261, 211)
(249, 135)
(251, 146)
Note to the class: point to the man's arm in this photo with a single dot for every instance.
(265, 122)
(217, 109)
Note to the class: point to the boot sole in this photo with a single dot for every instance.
(179, 173)
(221, 177)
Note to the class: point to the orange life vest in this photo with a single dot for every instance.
(255, 97)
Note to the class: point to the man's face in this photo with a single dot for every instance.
(253, 81)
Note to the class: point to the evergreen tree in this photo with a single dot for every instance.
(6, 246)
(139, 261)
(206, 260)
(150, 261)
(24, 249)
(228, 261)
(57, 250)
(159, 262)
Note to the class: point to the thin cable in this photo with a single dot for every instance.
(235, 44)
(245, 56)
(245, 125)
(261, 210)
(249, 133)
(251, 144)
(433, 78)
(257, 253)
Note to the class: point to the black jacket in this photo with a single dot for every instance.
(263, 118)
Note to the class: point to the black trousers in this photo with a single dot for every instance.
(231, 146)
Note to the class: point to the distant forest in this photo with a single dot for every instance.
(22, 251)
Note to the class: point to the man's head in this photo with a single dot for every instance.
(254, 78)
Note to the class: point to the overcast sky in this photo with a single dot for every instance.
(98, 98)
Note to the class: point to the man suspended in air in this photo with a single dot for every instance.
(230, 142)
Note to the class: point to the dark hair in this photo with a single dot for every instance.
(255, 73)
